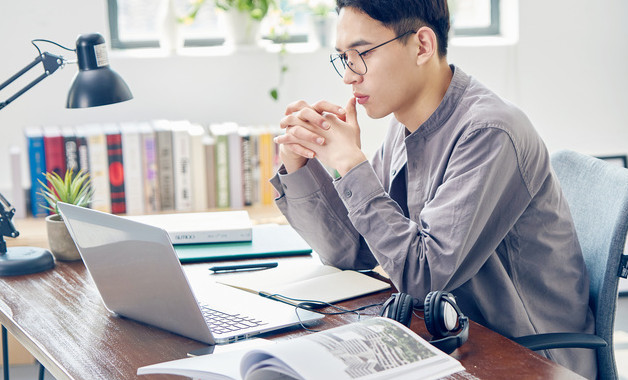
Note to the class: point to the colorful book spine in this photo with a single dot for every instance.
(55, 151)
(163, 135)
(221, 136)
(149, 169)
(37, 168)
(71, 149)
(82, 147)
(132, 164)
(116, 170)
(266, 156)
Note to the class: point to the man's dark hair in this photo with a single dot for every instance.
(402, 16)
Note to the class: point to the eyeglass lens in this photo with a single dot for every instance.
(350, 58)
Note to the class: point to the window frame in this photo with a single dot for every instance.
(114, 32)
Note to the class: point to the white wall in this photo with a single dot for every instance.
(566, 70)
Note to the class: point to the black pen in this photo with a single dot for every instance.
(231, 268)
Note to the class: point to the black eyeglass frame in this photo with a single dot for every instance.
(343, 56)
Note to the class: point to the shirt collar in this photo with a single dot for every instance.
(453, 95)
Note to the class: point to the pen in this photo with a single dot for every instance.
(230, 268)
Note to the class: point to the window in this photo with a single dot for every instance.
(137, 23)
(475, 17)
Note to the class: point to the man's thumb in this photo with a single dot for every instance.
(352, 113)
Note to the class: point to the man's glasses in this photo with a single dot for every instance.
(353, 59)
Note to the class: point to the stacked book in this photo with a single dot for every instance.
(158, 166)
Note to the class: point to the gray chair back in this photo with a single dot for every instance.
(597, 194)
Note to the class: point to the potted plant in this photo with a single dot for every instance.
(244, 17)
(73, 188)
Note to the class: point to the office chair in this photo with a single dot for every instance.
(597, 194)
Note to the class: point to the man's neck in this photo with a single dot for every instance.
(438, 76)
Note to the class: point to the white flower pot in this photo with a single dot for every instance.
(61, 244)
(243, 30)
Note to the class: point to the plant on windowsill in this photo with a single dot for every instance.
(73, 188)
(244, 18)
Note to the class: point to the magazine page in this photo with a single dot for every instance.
(377, 348)
(223, 364)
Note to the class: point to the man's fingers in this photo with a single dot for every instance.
(298, 134)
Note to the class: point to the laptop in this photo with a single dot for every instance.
(138, 275)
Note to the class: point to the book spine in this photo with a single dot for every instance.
(150, 172)
(99, 170)
(71, 151)
(247, 171)
(209, 145)
(198, 168)
(222, 171)
(165, 169)
(82, 153)
(132, 164)
(200, 237)
(266, 150)
(116, 173)
(55, 152)
(17, 194)
(236, 197)
(37, 168)
(182, 170)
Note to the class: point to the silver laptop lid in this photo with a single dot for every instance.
(132, 266)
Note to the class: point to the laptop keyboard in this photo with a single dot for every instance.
(221, 323)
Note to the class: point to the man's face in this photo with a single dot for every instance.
(387, 86)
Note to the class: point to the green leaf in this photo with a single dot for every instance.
(274, 94)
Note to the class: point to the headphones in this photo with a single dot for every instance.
(443, 318)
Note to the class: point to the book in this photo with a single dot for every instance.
(221, 134)
(98, 166)
(202, 227)
(55, 151)
(150, 175)
(81, 148)
(37, 168)
(236, 197)
(18, 198)
(377, 348)
(182, 173)
(165, 169)
(198, 166)
(209, 144)
(70, 146)
(132, 164)
(116, 169)
(268, 240)
(296, 280)
(266, 163)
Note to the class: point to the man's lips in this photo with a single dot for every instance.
(360, 98)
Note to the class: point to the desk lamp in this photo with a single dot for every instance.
(95, 84)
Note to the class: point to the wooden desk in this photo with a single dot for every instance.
(59, 317)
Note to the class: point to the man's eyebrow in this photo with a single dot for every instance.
(356, 44)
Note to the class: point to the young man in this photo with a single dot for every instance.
(460, 196)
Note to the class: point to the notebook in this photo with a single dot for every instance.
(269, 240)
(139, 276)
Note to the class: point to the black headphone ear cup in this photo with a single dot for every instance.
(405, 305)
(429, 310)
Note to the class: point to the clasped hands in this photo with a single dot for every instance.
(322, 130)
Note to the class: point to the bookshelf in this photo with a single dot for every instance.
(159, 166)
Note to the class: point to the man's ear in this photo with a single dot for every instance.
(427, 44)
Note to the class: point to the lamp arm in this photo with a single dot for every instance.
(6, 226)
(51, 63)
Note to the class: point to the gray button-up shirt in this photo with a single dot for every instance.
(467, 203)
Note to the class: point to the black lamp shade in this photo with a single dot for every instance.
(95, 84)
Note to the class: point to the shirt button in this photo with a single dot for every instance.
(394, 172)
(348, 193)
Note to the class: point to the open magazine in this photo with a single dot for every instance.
(377, 348)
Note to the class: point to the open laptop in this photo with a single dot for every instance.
(139, 276)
